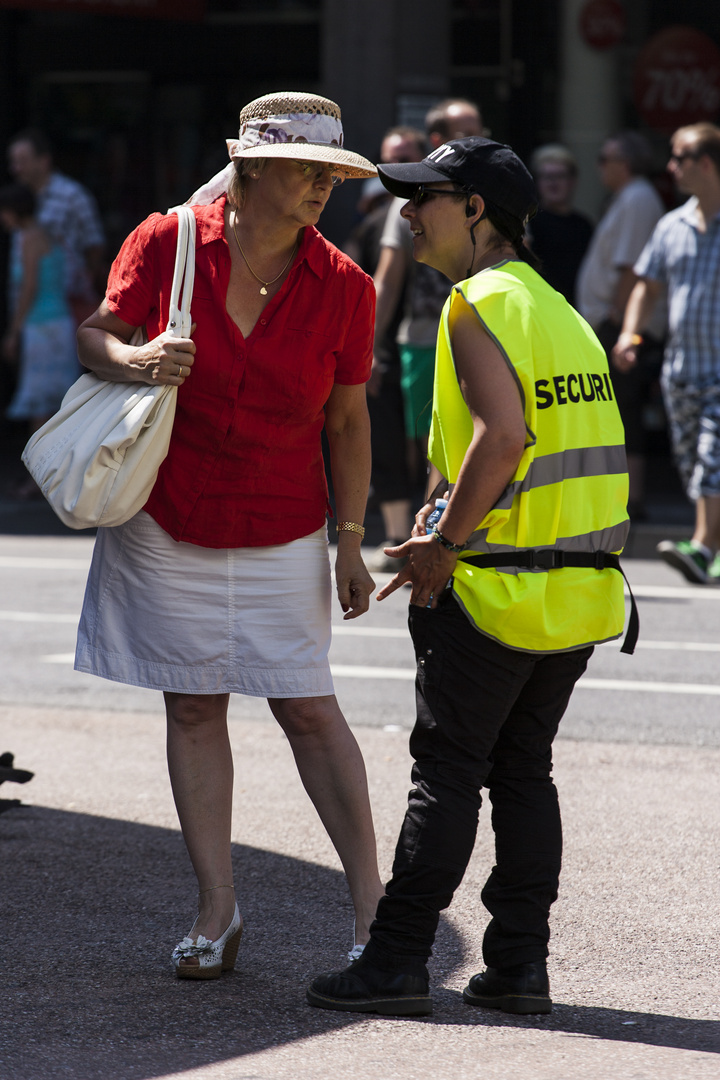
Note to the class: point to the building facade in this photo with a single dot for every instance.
(138, 96)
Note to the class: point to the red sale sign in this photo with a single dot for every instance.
(677, 79)
(602, 23)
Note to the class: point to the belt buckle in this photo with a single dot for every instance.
(548, 559)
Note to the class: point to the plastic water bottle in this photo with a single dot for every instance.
(435, 515)
(433, 518)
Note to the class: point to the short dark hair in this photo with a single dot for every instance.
(407, 132)
(436, 120)
(19, 199)
(635, 150)
(37, 139)
(708, 140)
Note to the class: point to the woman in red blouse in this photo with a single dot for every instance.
(222, 582)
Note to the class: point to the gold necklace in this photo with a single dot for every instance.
(263, 291)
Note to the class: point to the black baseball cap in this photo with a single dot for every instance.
(479, 165)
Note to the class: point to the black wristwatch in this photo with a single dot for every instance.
(455, 548)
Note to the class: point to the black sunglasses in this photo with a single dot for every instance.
(693, 155)
(423, 194)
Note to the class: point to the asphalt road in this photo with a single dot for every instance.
(95, 888)
(667, 693)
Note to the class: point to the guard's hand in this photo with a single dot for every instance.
(429, 567)
(420, 528)
(354, 584)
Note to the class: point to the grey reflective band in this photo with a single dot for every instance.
(612, 538)
(567, 465)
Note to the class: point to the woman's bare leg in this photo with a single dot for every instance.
(201, 774)
(332, 770)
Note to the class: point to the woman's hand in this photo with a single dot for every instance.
(104, 348)
(165, 360)
(354, 584)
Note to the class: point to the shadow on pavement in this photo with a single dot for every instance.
(92, 908)
(618, 1025)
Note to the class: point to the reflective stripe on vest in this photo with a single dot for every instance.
(566, 465)
(569, 490)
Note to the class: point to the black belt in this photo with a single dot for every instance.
(555, 559)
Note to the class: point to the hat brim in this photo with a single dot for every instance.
(401, 180)
(354, 166)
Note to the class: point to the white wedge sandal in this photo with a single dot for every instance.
(213, 957)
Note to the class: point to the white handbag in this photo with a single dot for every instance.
(97, 458)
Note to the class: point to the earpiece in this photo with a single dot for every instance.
(469, 211)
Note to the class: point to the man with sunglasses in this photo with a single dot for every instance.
(683, 254)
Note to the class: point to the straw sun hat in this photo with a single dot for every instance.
(293, 125)
(305, 127)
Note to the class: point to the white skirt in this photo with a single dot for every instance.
(174, 616)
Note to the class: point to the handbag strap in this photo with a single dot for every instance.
(179, 316)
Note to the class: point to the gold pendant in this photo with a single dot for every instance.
(263, 291)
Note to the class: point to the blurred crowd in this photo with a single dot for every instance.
(55, 280)
(57, 269)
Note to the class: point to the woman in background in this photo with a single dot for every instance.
(41, 333)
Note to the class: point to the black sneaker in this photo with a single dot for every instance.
(686, 558)
(522, 990)
(363, 988)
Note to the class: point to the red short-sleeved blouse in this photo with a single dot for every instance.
(245, 465)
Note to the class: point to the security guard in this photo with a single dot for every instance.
(511, 590)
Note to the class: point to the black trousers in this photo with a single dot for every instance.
(486, 717)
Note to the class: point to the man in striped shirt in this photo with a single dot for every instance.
(683, 254)
(68, 213)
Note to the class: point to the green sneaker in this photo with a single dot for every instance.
(713, 574)
(686, 558)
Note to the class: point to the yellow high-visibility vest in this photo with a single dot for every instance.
(570, 488)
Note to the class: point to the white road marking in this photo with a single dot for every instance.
(670, 646)
(26, 562)
(396, 633)
(671, 592)
(648, 687)
(37, 616)
(356, 671)
(353, 671)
